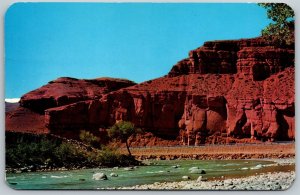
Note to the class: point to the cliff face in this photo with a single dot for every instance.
(244, 57)
(224, 90)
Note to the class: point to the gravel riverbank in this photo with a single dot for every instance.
(265, 181)
(269, 181)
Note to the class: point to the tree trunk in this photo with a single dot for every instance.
(127, 146)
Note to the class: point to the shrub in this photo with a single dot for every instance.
(108, 157)
(53, 153)
(89, 139)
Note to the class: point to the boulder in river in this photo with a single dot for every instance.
(197, 171)
(128, 168)
(99, 176)
(194, 168)
(114, 175)
(186, 177)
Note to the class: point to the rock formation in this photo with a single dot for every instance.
(241, 89)
(68, 90)
(29, 116)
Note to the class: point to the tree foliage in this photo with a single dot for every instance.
(281, 30)
(122, 131)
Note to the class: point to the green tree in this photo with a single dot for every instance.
(122, 131)
(281, 30)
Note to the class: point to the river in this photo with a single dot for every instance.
(158, 171)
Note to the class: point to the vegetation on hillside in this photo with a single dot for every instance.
(281, 30)
(89, 139)
(45, 153)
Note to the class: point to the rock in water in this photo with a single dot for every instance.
(194, 168)
(197, 170)
(128, 168)
(186, 177)
(99, 176)
(114, 175)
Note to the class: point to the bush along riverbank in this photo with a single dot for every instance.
(28, 153)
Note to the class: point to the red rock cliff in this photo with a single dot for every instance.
(242, 89)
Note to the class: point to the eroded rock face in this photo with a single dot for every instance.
(66, 90)
(226, 90)
(30, 115)
(252, 57)
(263, 109)
(159, 112)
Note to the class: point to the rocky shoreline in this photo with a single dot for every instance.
(216, 156)
(268, 181)
(264, 181)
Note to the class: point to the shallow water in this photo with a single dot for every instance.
(161, 171)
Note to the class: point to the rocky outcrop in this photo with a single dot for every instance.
(66, 90)
(225, 90)
(30, 115)
(253, 57)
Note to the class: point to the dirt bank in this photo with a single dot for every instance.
(210, 152)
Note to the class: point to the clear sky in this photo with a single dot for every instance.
(44, 41)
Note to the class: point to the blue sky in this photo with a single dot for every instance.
(44, 41)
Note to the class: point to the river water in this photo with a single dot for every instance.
(159, 171)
